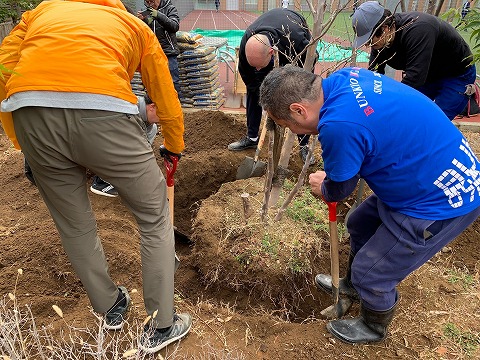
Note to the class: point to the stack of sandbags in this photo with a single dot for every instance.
(188, 40)
(199, 76)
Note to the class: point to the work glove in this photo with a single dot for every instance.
(153, 12)
(166, 154)
(159, 16)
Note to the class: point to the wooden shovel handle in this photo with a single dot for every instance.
(334, 258)
(171, 200)
(262, 137)
(171, 168)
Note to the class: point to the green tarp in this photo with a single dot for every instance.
(327, 51)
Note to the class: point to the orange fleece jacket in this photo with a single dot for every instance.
(90, 46)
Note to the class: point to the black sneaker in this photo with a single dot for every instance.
(155, 340)
(115, 317)
(304, 153)
(242, 144)
(101, 187)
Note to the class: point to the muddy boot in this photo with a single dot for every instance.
(345, 287)
(370, 326)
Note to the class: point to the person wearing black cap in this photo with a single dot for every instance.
(434, 58)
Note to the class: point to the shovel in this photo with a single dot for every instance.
(233, 101)
(340, 306)
(252, 167)
(171, 167)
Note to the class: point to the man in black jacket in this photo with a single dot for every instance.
(285, 29)
(162, 17)
(434, 57)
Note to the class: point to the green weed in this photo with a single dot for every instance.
(270, 245)
(307, 209)
(297, 263)
(465, 279)
(466, 340)
(244, 259)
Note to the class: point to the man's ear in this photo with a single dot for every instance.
(297, 108)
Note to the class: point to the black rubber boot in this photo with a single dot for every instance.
(370, 326)
(345, 287)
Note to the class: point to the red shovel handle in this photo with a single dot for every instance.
(171, 168)
(332, 211)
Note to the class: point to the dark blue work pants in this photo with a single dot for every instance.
(449, 93)
(174, 72)
(389, 245)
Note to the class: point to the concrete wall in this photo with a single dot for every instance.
(184, 7)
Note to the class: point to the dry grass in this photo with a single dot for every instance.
(473, 139)
(22, 338)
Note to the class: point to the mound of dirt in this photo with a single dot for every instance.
(268, 259)
(206, 163)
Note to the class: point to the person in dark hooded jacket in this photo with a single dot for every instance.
(162, 17)
(434, 58)
(289, 32)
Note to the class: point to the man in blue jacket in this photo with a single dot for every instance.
(424, 175)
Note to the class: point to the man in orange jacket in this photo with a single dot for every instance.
(68, 105)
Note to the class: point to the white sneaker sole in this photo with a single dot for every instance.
(98, 192)
(116, 327)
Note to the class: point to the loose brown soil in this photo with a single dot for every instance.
(231, 320)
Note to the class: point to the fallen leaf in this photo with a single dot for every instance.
(57, 310)
(442, 350)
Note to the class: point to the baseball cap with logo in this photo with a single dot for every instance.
(364, 19)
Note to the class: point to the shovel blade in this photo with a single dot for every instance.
(337, 310)
(233, 101)
(250, 168)
(181, 236)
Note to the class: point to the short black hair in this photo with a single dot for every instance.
(386, 19)
(148, 101)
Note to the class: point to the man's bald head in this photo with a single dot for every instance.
(258, 51)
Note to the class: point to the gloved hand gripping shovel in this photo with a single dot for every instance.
(340, 306)
(171, 167)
